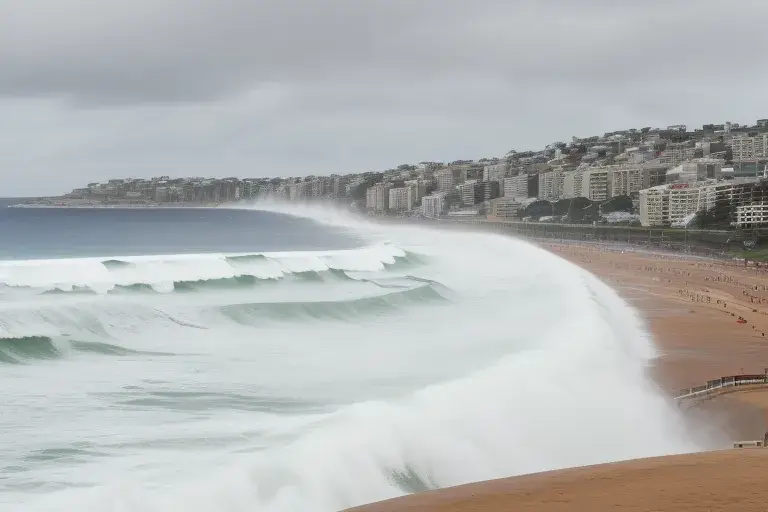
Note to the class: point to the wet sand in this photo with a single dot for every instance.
(693, 309)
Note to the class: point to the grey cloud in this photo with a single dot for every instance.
(172, 50)
(92, 89)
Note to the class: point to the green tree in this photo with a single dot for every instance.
(538, 209)
(617, 204)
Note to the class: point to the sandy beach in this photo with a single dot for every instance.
(708, 319)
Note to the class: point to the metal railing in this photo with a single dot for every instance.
(722, 383)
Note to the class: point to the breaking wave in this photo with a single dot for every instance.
(165, 274)
(315, 381)
(27, 349)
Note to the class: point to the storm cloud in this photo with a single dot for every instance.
(91, 90)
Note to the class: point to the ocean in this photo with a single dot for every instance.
(276, 358)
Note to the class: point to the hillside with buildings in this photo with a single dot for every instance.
(713, 176)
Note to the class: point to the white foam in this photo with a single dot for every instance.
(162, 271)
(533, 365)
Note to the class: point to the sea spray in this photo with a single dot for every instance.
(503, 359)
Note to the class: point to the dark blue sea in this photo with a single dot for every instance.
(27, 233)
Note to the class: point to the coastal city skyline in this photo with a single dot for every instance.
(664, 175)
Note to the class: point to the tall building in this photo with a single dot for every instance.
(432, 206)
(670, 204)
(750, 148)
(551, 185)
(469, 193)
(594, 184)
(402, 199)
(517, 186)
(444, 180)
(377, 197)
(420, 189)
(572, 184)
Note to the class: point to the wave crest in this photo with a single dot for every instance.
(165, 274)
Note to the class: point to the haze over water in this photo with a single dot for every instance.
(239, 360)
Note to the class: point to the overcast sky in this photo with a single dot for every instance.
(95, 89)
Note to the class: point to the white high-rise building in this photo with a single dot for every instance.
(377, 197)
(594, 184)
(432, 206)
(551, 185)
(402, 199)
(516, 186)
(444, 180)
(670, 204)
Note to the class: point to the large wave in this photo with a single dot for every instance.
(426, 360)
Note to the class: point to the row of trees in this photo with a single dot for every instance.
(579, 209)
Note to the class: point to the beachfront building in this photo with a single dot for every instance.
(551, 185)
(752, 215)
(670, 204)
(594, 184)
(517, 186)
(751, 200)
(432, 206)
(572, 183)
(505, 208)
(377, 197)
(402, 199)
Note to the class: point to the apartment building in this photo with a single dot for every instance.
(517, 186)
(505, 208)
(751, 199)
(474, 192)
(752, 215)
(750, 148)
(625, 181)
(551, 185)
(445, 181)
(671, 203)
(594, 185)
(675, 156)
(377, 197)
(572, 183)
(654, 176)
(432, 206)
(402, 199)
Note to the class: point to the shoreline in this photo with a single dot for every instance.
(690, 304)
